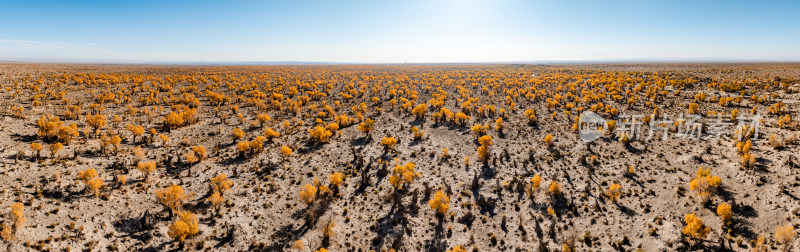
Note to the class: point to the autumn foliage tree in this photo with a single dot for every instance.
(440, 203)
(308, 193)
(17, 221)
(366, 126)
(388, 142)
(724, 212)
(171, 197)
(37, 147)
(184, 227)
(785, 235)
(236, 134)
(403, 175)
(320, 134)
(146, 168)
(704, 183)
(135, 130)
(96, 121)
(91, 181)
(613, 192)
(695, 228)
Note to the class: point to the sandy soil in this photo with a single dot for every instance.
(492, 206)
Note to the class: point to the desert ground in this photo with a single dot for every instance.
(451, 157)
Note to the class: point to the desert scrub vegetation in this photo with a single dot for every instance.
(440, 203)
(695, 230)
(184, 227)
(704, 183)
(484, 136)
(16, 217)
(171, 197)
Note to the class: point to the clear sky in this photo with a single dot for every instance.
(383, 31)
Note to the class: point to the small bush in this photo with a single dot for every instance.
(440, 202)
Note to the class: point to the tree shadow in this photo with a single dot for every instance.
(385, 224)
(438, 241)
(25, 138)
(281, 239)
(625, 210)
(137, 227)
(487, 171)
(361, 141)
(745, 211)
(741, 227)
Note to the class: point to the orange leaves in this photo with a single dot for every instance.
(344, 120)
(461, 118)
(483, 150)
(418, 134)
(262, 118)
(90, 179)
(548, 140)
(16, 214)
(388, 142)
(87, 175)
(48, 126)
(96, 121)
(724, 212)
(135, 130)
(693, 108)
(419, 111)
(403, 175)
(700, 97)
(747, 161)
(777, 108)
(440, 203)
(704, 183)
(308, 193)
(783, 234)
(535, 182)
(180, 116)
(36, 147)
(744, 147)
(199, 151)
(116, 140)
(286, 151)
(613, 192)
(485, 140)
(67, 133)
(95, 185)
(243, 148)
(270, 134)
(695, 228)
(17, 219)
(499, 124)
(336, 179)
(480, 130)
(554, 189)
(171, 197)
(173, 120)
(530, 114)
(237, 134)
(320, 134)
(146, 168)
(366, 126)
(221, 183)
(184, 227)
(54, 148)
(459, 248)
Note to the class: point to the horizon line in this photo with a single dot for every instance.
(300, 62)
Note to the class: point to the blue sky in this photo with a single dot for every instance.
(399, 31)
